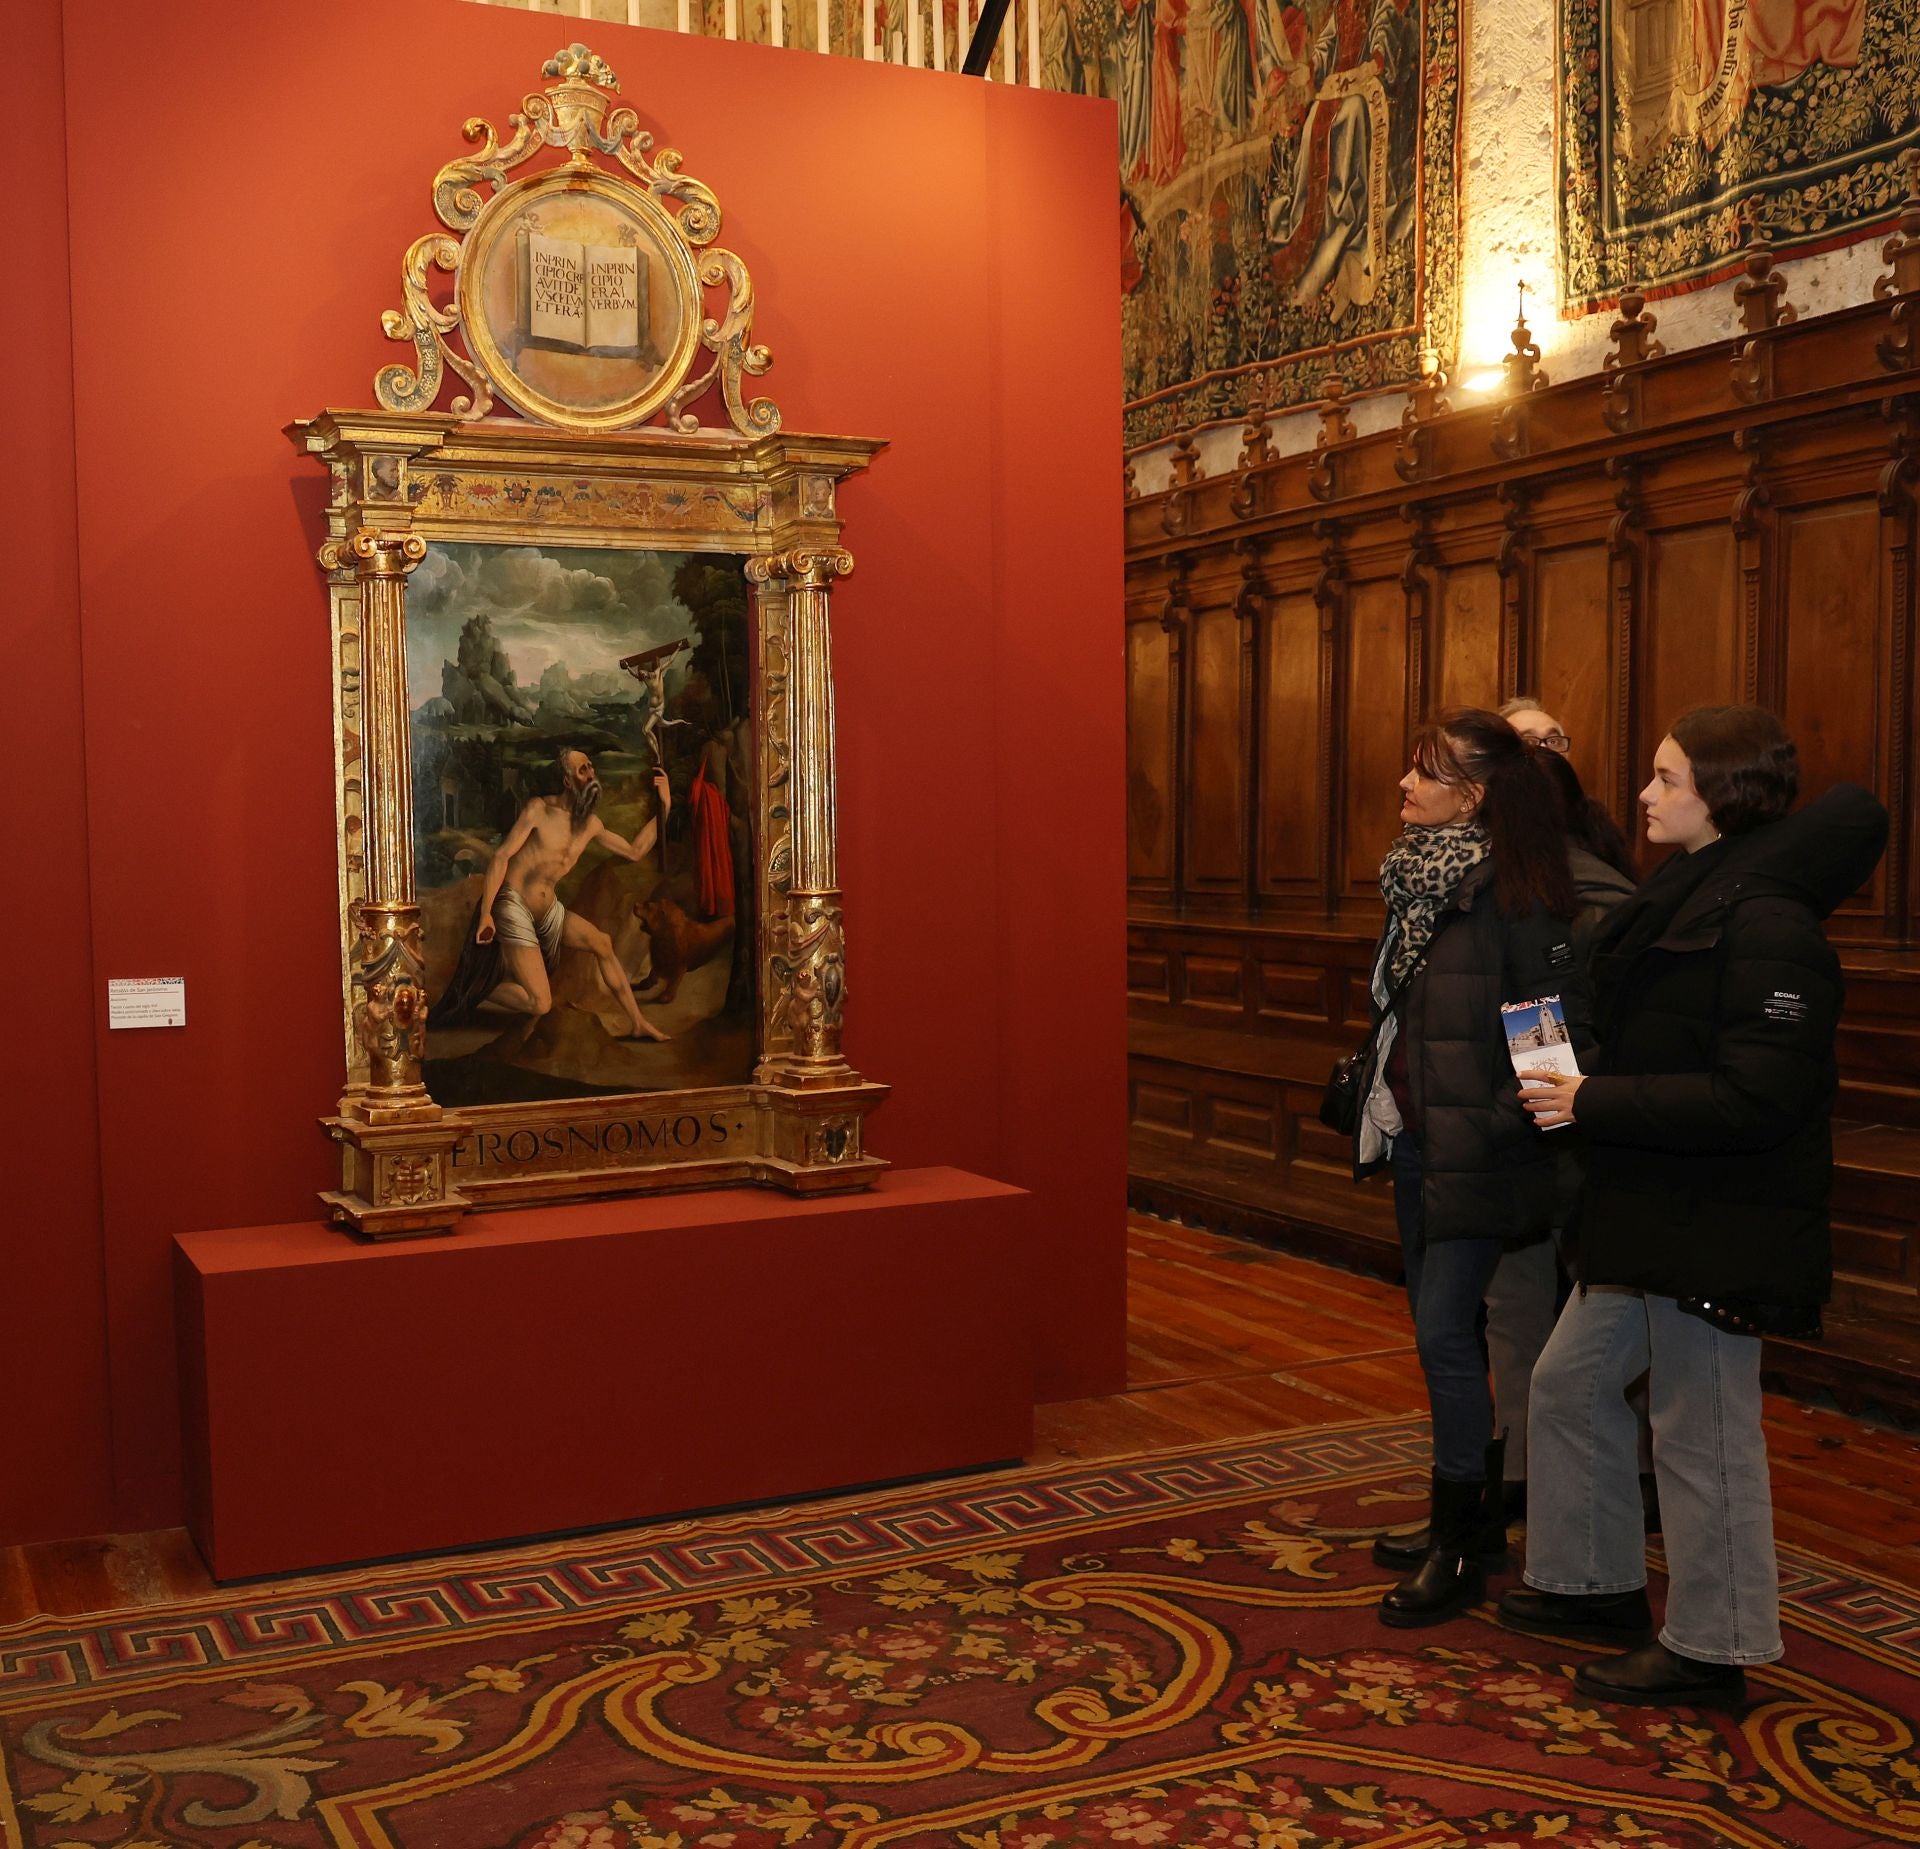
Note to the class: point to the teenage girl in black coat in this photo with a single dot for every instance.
(1703, 1224)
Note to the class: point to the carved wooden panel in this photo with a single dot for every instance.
(1293, 824)
(1290, 991)
(1216, 813)
(1835, 692)
(1466, 639)
(1879, 1042)
(1708, 551)
(1693, 657)
(1573, 667)
(1167, 1109)
(1149, 975)
(1376, 728)
(1246, 1126)
(1149, 758)
(1213, 982)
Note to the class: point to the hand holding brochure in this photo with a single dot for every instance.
(1537, 1039)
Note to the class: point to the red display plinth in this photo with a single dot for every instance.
(570, 1367)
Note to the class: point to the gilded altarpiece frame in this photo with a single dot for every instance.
(608, 456)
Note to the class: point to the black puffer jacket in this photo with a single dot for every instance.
(1489, 1173)
(1707, 1119)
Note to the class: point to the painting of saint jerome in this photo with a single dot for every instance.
(579, 724)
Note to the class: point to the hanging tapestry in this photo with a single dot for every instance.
(1674, 112)
(1288, 188)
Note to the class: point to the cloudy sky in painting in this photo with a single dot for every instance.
(584, 609)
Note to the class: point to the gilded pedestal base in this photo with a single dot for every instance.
(814, 1141)
(395, 1179)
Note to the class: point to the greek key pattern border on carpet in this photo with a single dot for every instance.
(399, 1603)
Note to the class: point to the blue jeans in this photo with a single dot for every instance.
(1584, 1530)
(1446, 1282)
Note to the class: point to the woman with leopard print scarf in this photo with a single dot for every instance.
(1479, 906)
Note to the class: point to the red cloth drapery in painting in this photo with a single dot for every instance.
(713, 847)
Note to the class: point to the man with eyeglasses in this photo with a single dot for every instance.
(1535, 725)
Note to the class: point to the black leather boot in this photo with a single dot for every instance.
(1401, 1553)
(1451, 1577)
(1600, 1617)
(1656, 1677)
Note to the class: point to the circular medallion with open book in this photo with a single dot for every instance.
(579, 299)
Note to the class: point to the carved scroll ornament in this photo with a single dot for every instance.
(486, 237)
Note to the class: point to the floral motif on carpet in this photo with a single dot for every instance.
(1176, 1650)
(1672, 115)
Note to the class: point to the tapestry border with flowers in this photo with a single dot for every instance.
(1819, 156)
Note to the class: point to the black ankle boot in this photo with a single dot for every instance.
(1656, 1677)
(1597, 1617)
(1402, 1553)
(1450, 1578)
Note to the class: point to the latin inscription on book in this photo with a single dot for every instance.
(584, 298)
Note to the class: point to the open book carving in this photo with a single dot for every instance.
(584, 298)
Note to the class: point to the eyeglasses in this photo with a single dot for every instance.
(1551, 741)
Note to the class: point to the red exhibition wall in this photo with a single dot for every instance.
(55, 1446)
(933, 259)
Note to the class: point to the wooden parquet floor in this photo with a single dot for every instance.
(1225, 1340)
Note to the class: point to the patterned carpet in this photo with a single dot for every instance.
(1173, 1650)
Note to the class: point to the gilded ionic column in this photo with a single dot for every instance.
(388, 957)
(807, 968)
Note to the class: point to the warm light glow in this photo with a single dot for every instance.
(1489, 301)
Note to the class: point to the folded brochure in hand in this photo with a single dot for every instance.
(1537, 1039)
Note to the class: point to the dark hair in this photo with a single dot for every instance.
(1588, 823)
(1744, 765)
(1520, 811)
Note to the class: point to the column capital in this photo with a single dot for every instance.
(370, 552)
(810, 567)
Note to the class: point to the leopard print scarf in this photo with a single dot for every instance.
(1422, 871)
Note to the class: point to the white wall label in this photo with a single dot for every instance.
(147, 1001)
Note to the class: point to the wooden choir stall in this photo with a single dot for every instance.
(1731, 523)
